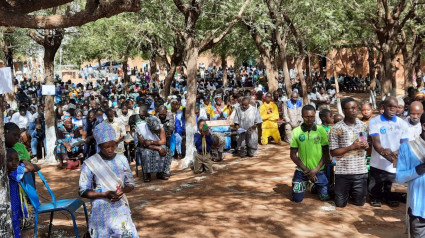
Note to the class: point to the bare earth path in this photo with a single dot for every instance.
(247, 197)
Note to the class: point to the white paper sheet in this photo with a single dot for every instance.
(6, 85)
(48, 90)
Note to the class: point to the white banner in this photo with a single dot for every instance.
(6, 85)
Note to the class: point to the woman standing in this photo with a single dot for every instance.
(105, 179)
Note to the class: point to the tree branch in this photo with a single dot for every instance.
(104, 9)
(19, 6)
(182, 8)
(209, 43)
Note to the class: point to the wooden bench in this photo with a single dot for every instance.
(220, 123)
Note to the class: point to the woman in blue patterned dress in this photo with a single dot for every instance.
(105, 179)
(156, 157)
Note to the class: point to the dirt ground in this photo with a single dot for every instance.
(247, 197)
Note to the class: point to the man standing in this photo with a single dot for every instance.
(411, 169)
(347, 143)
(309, 151)
(292, 114)
(387, 132)
(269, 114)
(246, 120)
(415, 112)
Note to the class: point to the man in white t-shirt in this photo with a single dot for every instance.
(387, 131)
(413, 121)
(22, 118)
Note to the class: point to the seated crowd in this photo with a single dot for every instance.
(345, 158)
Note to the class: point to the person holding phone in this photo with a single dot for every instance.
(347, 143)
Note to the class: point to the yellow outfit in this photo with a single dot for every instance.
(210, 110)
(270, 114)
(228, 110)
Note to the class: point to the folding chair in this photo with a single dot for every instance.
(69, 205)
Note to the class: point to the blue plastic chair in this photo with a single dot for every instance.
(69, 205)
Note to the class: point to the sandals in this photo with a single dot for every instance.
(375, 203)
(162, 176)
(146, 178)
(393, 203)
(217, 159)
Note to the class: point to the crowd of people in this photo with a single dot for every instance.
(101, 124)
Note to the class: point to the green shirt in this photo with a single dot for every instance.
(22, 151)
(309, 144)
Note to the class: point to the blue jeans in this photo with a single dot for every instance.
(176, 143)
(299, 186)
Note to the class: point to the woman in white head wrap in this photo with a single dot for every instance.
(105, 179)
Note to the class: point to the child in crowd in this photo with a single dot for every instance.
(203, 143)
(327, 119)
(16, 170)
(367, 112)
(337, 118)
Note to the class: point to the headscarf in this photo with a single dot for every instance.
(66, 116)
(419, 94)
(154, 123)
(103, 133)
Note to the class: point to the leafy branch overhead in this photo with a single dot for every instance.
(32, 14)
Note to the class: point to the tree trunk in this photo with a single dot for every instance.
(272, 74)
(409, 61)
(287, 78)
(152, 65)
(6, 228)
(338, 99)
(176, 59)
(299, 66)
(125, 74)
(388, 81)
(224, 70)
(10, 97)
(371, 62)
(51, 41)
(192, 86)
(408, 74)
(308, 80)
(168, 80)
(9, 59)
(49, 57)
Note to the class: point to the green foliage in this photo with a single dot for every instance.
(18, 40)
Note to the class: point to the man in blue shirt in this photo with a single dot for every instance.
(411, 169)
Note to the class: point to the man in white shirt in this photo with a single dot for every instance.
(22, 118)
(387, 131)
(415, 112)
